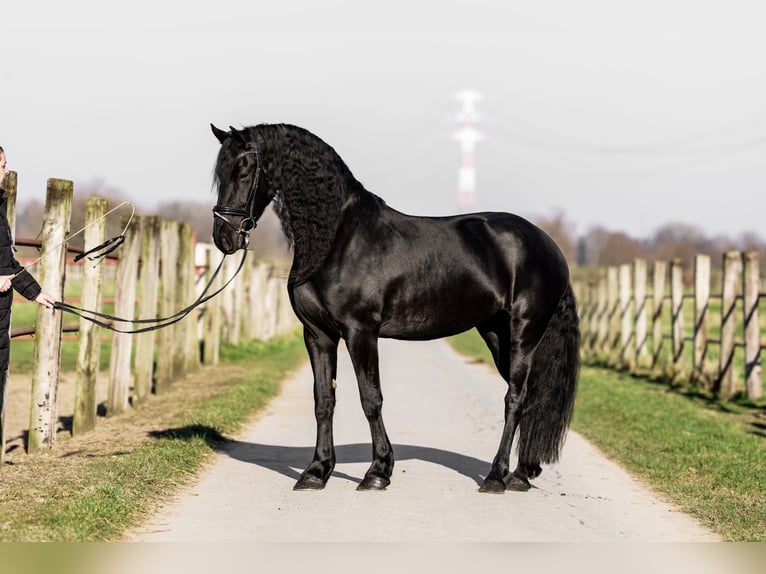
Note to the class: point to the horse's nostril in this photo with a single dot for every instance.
(224, 243)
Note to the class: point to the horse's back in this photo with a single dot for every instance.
(428, 277)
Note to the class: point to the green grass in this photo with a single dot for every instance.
(96, 497)
(706, 456)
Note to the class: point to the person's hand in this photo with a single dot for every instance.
(46, 300)
(5, 281)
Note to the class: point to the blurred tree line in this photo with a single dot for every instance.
(266, 241)
(601, 247)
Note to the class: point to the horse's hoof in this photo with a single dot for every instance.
(534, 470)
(493, 486)
(373, 483)
(518, 483)
(309, 482)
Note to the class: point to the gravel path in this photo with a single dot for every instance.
(444, 417)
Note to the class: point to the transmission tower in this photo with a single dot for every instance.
(468, 136)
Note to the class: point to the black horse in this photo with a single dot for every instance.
(362, 271)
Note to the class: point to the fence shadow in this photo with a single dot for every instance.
(287, 459)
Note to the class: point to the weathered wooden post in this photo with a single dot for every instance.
(593, 317)
(212, 331)
(258, 277)
(701, 306)
(732, 266)
(124, 307)
(639, 309)
(243, 318)
(193, 340)
(613, 305)
(89, 336)
(148, 280)
(47, 351)
(166, 335)
(603, 320)
(186, 328)
(272, 305)
(677, 316)
(232, 301)
(259, 299)
(658, 299)
(625, 317)
(750, 292)
(9, 186)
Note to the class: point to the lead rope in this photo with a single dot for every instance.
(108, 246)
(158, 322)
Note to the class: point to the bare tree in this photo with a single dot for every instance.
(562, 232)
(618, 248)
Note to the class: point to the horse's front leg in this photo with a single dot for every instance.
(363, 349)
(323, 353)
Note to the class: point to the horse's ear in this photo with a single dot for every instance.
(238, 135)
(220, 134)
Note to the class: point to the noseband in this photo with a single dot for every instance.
(248, 222)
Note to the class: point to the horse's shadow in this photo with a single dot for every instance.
(287, 460)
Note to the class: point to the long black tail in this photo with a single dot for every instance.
(551, 386)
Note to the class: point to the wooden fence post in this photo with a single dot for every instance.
(589, 319)
(232, 301)
(732, 265)
(243, 319)
(625, 316)
(89, 336)
(212, 334)
(166, 335)
(9, 185)
(194, 341)
(677, 316)
(658, 298)
(613, 306)
(581, 289)
(262, 280)
(603, 317)
(148, 280)
(186, 328)
(750, 296)
(639, 308)
(47, 351)
(124, 307)
(701, 306)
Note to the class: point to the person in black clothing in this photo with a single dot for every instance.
(12, 275)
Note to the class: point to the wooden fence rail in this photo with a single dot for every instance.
(156, 276)
(712, 340)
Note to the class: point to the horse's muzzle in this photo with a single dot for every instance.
(227, 243)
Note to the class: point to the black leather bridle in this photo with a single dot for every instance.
(248, 221)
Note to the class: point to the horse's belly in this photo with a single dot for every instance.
(432, 318)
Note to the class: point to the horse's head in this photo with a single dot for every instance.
(243, 193)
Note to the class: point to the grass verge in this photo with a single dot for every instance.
(95, 487)
(708, 457)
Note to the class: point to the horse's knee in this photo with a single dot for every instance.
(372, 406)
(324, 408)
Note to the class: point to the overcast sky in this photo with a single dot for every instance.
(626, 114)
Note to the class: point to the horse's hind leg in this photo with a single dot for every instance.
(363, 349)
(497, 335)
(323, 353)
(513, 356)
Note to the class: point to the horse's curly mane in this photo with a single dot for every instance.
(311, 184)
